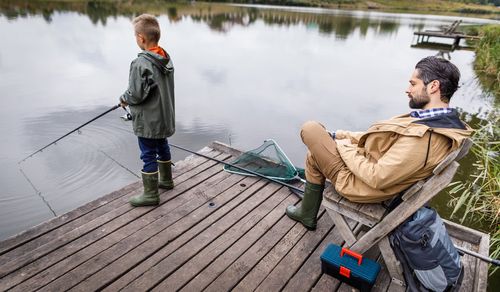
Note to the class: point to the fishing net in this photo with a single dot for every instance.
(268, 160)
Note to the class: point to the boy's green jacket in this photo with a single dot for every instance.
(150, 95)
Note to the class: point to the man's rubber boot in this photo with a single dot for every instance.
(308, 210)
(150, 197)
(166, 181)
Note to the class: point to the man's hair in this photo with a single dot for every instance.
(448, 75)
(148, 26)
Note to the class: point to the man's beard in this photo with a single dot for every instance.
(420, 100)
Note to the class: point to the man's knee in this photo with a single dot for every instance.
(311, 129)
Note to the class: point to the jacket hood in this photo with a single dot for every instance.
(448, 125)
(448, 120)
(165, 65)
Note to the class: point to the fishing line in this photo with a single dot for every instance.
(121, 165)
(39, 193)
(74, 130)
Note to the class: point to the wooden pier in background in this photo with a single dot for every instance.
(447, 32)
(215, 231)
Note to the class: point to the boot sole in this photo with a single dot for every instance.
(144, 204)
(311, 228)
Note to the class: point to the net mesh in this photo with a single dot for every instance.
(268, 160)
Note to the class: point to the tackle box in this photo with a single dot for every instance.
(349, 267)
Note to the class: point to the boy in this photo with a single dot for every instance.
(150, 95)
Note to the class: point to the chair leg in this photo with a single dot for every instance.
(342, 227)
(393, 266)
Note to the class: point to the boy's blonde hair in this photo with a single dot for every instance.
(147, 25)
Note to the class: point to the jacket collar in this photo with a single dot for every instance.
(449, 120)
(163, 64)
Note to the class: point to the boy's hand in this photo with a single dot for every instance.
(123, 104)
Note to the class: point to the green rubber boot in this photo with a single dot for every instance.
(307, 212)
(166, 181)
(150, 197)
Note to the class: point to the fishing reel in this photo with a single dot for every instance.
(127, 116)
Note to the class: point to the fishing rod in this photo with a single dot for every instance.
(78, 128)
(479, 256)
(297, 191)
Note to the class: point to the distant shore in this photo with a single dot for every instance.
(422, 6)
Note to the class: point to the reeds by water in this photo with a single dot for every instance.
(478, 197)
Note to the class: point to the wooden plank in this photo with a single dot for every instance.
(291, 263)
(147, 249)
(244, 216)
(260, 271)
(222, 147)
(34, 237)
(392, 263)
(97, 208)
(351, 211)
(326, 283)
(85, 235)
(183, 231)
(406, 209)
(463, 233)
(210, 263)
(129, 236)
(27, 237)
(413, 190)
(481, 274)
(310, 271)
(469, 262)
(373, 211)
(330, 194)
(446, 161)
(342, 227)
(246, 262)
(454, 156)
(384, 279)
(273, 207)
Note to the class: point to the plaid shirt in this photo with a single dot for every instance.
(422, 114)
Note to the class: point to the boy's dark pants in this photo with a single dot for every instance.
(153, 150)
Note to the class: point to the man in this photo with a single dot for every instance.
(391, 155)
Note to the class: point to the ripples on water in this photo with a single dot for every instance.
(242, 75)
(98, 159)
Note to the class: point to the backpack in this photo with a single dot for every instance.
(430, 260)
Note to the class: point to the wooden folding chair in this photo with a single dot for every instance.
(381, 222)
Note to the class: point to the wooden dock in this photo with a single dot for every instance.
(447, 32)
(214, 231)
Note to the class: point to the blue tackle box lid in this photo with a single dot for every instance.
(368, 269)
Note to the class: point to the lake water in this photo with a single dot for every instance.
(243, 74)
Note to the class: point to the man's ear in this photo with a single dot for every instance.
(434, 86)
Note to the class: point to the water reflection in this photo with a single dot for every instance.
(243, 74)
(221, 18)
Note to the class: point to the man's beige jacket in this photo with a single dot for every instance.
(394, 154)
